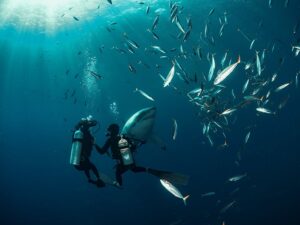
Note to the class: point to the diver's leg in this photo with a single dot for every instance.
(119, 171)
(94, 169)
(87, 174)
(138, 169)
(98, 182)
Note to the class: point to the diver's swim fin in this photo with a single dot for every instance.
(174, 178)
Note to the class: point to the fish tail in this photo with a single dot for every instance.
(185, 198)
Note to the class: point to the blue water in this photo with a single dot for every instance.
(41, 70)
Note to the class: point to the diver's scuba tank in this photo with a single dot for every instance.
(76, 147)
(125, 151)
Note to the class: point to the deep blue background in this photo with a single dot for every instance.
(38, 186)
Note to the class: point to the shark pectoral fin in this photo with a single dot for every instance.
(158, 141)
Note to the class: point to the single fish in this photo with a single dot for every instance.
(281, 87)
(196, 91)
(263, 55)
(228, 111)
(258, 64)
(226, 72)
(208, 194)
(270, 4)
(248, 65)
(173, 190)
(155, 22)
(274, 77)
(204, 129)
(159, 49)
(179, 26)
(212, 68)
(224, 59)
(252, 43)
(295, 29)
(247, 137)
(199, 53)
(186, 35)
(237, 178)
(94, 74)
(147, 9)
(75, 18)
(211, 12)
(133, 43)
(283, 103)
(205, 30)
(245, 86)
(296, 80)
(175, 127)
(131, 68)
(189, 22)
(170, 76)
(109, 1)
(228, 206)
(144, 94)
(232, 93)
(264, 110)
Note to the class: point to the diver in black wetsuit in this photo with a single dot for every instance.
(87, 143)
(122, 149)
(125, 162)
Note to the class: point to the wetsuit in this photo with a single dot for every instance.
(112, 143)
(85, 164)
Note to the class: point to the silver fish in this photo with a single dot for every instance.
(264, 110)
(186, 35)
(170, 76)
(232, 93)
(274, 77)
(212, 68)
(159, 49)
(179, 26)
(204, 129)
(210, 140)
(248, 65)
(252, 43)
(237, 178)
(258, 64)
(144, 94)
(208, 194)
(281, 87)
(252, 98)
(173, 190)
(247, 137)
(224, 59)
(223, 210)
(228, 111)
(245, 86)
(175, 129)
(226, 72)
(155, 22)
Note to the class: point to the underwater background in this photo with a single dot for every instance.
(46, 87)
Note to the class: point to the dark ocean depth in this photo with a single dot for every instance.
(89, 61)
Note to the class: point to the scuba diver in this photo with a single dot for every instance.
(122, 149)
(82, 146)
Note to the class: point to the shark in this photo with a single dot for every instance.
(139, 127)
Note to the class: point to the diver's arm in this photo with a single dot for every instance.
(104, 149)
